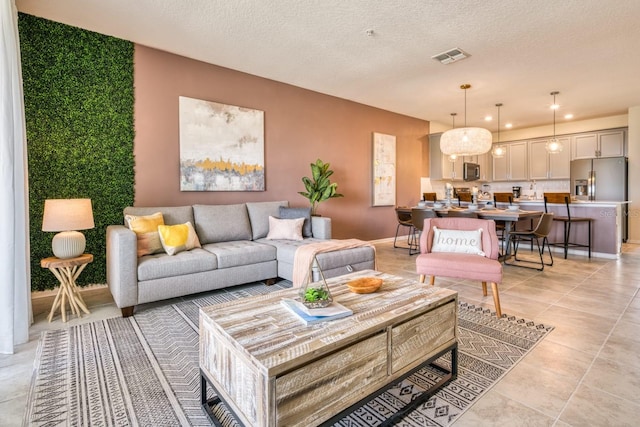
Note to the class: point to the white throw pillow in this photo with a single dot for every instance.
(285, 229)
(457, 241)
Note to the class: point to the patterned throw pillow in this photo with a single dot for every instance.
(146, 229)
(285, 229)
(457, 241)
(178, 238)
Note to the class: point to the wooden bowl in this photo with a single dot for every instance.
(364, 285)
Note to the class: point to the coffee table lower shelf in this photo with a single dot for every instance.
(448, 376)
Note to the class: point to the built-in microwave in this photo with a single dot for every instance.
(471, 171)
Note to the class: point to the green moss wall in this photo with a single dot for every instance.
(78, 90)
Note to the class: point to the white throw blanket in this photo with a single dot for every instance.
(305, 253)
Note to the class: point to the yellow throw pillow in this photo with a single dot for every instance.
(178, 238)
(146, 229)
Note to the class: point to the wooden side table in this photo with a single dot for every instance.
(67, 271)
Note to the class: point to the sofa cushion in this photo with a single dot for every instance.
(178, 238)
(162, 265)
(292, 213)
(242, 252)
(286, 249)
(259, 214)
(172, 215)
(222, 223)
(146, 229)
(288, 229)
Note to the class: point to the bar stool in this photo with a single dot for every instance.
(464, 197)
(567, 221)
(429, 197)
(502, 198)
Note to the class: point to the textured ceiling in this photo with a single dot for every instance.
(521, 50)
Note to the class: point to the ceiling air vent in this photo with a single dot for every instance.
(450, 56)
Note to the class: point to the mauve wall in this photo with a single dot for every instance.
(300, 126)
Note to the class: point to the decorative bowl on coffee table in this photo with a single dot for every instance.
(364, 285)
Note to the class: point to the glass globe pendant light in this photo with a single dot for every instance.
(466, 141)
(453, 157)
(498, 150)
(554, 146)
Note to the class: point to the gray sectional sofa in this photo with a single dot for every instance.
(234, 251)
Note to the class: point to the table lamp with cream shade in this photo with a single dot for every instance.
(67, 216)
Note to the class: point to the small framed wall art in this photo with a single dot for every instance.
(384, 170)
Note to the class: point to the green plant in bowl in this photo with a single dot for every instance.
(316, 297)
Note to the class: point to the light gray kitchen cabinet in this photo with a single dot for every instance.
(452, 170)
(513, 166)
(440, 167)
(543, 165)
(484, 160)
(435, 157)
(609, 143)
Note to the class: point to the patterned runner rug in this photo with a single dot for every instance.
(143, 370)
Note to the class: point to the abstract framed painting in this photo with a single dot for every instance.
(384, 170)
(221, 147)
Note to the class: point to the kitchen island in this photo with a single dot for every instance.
(607, 227)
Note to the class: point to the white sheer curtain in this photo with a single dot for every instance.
(15, 280)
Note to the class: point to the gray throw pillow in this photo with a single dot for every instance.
(293, 213)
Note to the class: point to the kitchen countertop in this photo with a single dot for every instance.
(574, 203)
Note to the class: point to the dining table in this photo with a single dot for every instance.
(508, 216)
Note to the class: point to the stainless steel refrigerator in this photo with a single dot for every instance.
(601, 180)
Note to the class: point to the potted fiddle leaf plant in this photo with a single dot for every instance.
(319, 188)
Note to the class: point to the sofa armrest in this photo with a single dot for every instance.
(122, 265)
(321, 227)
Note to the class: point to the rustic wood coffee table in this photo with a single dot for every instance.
(270, 369)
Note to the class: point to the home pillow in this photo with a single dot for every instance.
(457, 241)
(146, 229)
(178, 238)
(292, 213)
(285, 229)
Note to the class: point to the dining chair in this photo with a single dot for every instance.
(453, 247)
(417, 218)
(541, 231)
(504, 198)
(567, 220)
(403, 214)
(429, 197)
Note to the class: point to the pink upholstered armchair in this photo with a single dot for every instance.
(446, 258)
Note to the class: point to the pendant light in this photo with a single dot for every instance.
(466, 141)
(554, 146)
(498, 150)
(453, 157)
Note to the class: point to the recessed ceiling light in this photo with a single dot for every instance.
(488, 118)
(452, 55)
(568, 116)
(508, 125)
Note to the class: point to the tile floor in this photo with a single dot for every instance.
(586, 372)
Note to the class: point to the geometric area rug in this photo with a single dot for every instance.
(143, 370)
